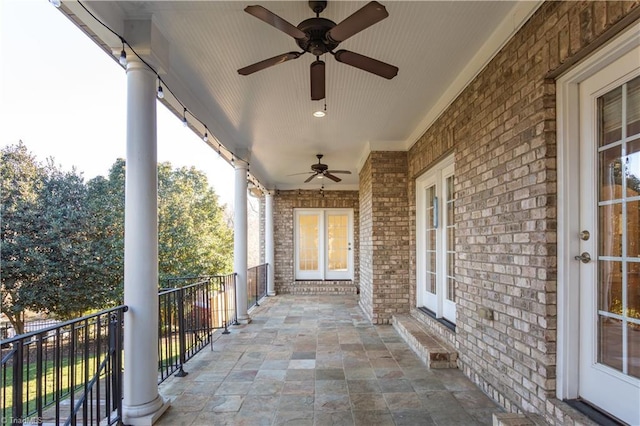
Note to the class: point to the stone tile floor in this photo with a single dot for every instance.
(316, 360)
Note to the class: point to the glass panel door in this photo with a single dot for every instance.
(308, 246)
(610, 260)
(435, 231)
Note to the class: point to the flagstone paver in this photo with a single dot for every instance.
(315, 360)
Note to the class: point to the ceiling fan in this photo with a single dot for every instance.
(322, 170)
(319, 36)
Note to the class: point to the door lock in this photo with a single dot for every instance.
(584, 257)
(585, 235)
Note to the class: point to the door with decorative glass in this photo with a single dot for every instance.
(323, 244)
(435, 232)
(609, 370)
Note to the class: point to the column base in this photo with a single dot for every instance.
(146, 414)
(271, 293)
(244, 320)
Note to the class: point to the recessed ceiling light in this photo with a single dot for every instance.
(319, 114)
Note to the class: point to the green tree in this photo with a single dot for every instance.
(106, 207)
(72, 280)
(194, 238)
(63, 240)
(48, 260)
(193, 235)
(22, 178)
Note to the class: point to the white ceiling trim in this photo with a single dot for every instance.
(518, 16)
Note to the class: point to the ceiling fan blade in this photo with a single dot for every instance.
(366, 63)
(363, 18)
(310, 178)
(268, 63)
(303, 173)
(317, 80)
(345, 172)
(332, 177)
(275, 21)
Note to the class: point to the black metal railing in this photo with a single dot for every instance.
(256, 284)
(70, 373)
(188, 316)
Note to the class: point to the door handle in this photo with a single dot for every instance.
(584, 257)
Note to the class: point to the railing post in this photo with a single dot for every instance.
(16, 414)
(181, 334)
(235, 298)
(225, 296)
(39, 373)
(114, 323)
(257, 290)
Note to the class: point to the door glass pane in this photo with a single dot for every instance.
(610, 342)
(632, 165)
(610, 173)
(610, 230)
(633, 331)
(308, 243)
(633, 229)
(430, 239)
(633, 107)
(633, 291)
(610, 297)
(337, 242)
(610, 116)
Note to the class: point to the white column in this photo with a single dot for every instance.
(269, 252)
(142, 404)
(240, 240)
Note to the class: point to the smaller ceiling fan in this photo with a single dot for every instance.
(322, 170)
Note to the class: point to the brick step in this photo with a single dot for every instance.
(319, 287)
(431, 350)
(511, 419)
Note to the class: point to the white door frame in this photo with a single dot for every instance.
(568, 138)
(436, 302)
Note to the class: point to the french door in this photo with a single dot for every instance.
(609, 277)
(435, 231)
(323, 244)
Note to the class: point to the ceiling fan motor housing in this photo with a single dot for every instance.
(316, 29)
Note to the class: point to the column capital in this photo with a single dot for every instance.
(148, 41)
(240, 164)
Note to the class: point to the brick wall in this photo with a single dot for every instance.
(384, 236)
(284, 203)
(366, 240)
(502, 130)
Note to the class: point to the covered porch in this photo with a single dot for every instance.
(316, 360)
(460, 179)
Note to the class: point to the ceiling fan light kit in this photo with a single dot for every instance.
(319, 36)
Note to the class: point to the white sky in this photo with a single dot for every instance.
(65, 98)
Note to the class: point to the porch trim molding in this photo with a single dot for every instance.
(568, 143)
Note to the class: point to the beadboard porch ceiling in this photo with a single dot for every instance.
(267, 117)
